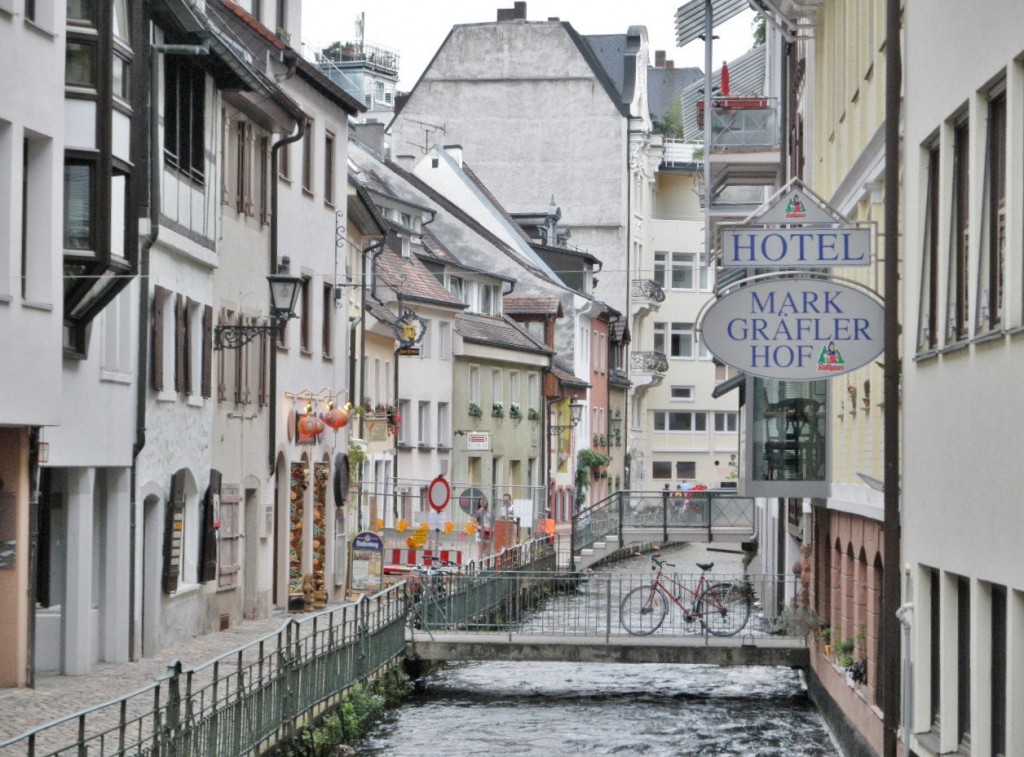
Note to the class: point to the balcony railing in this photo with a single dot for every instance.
(648, 362)
(742, 123)
(645, 289)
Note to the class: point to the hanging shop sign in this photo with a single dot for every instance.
(795, 329)
(797, 230)
(795, 247)
(409, 331)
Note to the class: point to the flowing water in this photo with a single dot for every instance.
(546, 709)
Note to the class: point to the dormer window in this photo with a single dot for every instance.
(489, 299)
(457, 287)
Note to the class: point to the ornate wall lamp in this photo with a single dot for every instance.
(284, 291)
(575, 414)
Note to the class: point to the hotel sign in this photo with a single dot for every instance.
(796, 231)
(795, 247)
(795, 329)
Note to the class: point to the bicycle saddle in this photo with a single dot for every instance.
(705, 565)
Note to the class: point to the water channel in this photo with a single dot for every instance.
(539, 710)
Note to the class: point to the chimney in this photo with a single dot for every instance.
(406, 162)
(659, 58)
(455, 151)
(371, 134)
(670, 64)
(516, 13)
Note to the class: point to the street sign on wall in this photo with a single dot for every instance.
(794, 329)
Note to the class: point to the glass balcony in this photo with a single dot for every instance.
(742, 123)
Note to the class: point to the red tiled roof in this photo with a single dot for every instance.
(256, 25)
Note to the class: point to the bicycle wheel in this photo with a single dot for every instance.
(724, 608)
(643, 610)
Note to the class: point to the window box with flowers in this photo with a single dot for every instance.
(532, 414)
(514, 412)
(497, 410)
(474, 410)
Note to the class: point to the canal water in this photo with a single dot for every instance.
(546, 709)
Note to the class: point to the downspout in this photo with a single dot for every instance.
(376, 248)
(272, 407)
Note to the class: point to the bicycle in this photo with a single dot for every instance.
(427, 593)
(722, 608)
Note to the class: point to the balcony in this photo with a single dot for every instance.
(645, 296)
(647, 369)
(744, 150)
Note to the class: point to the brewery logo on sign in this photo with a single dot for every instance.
(795, 208)
(409, 331)
(831, 359)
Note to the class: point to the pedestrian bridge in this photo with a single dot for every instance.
(706, 516)
(686, 650)
(585, 617)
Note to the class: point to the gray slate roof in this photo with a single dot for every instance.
(500, 332)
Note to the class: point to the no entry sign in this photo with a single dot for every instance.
(439, 494)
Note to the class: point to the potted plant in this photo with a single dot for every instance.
(844, 653)
(532, 414)
(497, 410)
(474, 410)
(826, 641)
(514, 412)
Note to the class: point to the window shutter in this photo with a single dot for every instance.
(180, 344)
(264, 370)
(207, 388)
(208, 539)
(222, 364)
(239, 366)
(174, 533)
(159, 298)
(193, 352)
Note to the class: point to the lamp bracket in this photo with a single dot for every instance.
(231, 337)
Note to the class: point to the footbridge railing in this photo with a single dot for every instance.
(713, 513)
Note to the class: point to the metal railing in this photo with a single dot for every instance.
(240, 702)
(470, 596)
(710, 511)
(258, 694)
(580, 604)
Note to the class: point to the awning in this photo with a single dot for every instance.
(690, 18)
(728, 385)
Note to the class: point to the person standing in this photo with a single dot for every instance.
(484, 529)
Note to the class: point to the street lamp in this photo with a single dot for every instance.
(284, 291)
(575, 414)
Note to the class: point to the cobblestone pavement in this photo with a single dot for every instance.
(58, 696)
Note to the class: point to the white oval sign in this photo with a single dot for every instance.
(795, 329)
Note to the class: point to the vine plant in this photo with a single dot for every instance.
(587, 461)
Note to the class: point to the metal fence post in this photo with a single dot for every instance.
(173, 710)
(618, 497)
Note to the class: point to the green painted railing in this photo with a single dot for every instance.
(253, 697)
(242, 702)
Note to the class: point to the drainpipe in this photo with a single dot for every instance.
(274, 227)
(376, 248)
